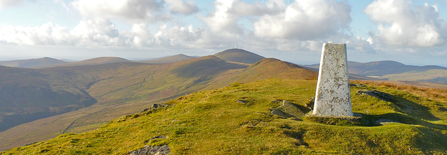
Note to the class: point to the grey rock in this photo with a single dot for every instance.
(384, 121)
(290, 109)
(311, 103)
(155, 106)
(240, 101)
(278, 112)
(149, 150)
(287, 109)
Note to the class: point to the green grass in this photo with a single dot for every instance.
(212, 122)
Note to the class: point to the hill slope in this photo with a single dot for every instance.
(94, 61)
(380, 68)
(125, 88)
(28, 94)
(169, 59)
(238, 55)
(391, 70)
(274, 68)
(32, 63)
(212, 122)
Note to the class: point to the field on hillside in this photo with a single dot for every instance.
(212, 122)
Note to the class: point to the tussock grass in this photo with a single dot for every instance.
(212, 122)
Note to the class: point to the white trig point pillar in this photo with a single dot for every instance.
(333, 96)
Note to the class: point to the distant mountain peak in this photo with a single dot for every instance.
(33, 63)
(239, 55)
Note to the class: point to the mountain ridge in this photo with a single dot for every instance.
(33, 63)
(169, 59)
(131, 85)
(239, 55)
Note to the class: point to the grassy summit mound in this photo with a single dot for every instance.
(237, 120)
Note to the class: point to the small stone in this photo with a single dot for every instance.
(310, 104)
(384, 121)
(160, 150)
(155, 106)
(160, 136)
(240, 101)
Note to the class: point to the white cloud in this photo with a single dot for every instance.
(88, 33)
(129, 10)
(242, 8)
(306, 20)
(179, 6)
(400, 25)
(47, 34)
(222, 20)
(6, 3)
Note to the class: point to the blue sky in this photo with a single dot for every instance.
(412, 32)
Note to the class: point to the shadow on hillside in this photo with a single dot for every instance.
(399, 118)
(205, 68)
(403, 105)
(431, 140)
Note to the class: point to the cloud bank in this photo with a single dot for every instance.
(401, 25)
(7, 3)
(274, 25)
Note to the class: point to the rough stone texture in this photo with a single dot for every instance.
(332, 97)
(155, 106)
(240, 101)
(287, 109)
(149, 150)
(384, 121)
(155, 150)
(278, 112)
(311, 103)
(291, 109)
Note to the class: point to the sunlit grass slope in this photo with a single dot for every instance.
(212, 122)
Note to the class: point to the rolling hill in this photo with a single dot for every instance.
(380, 68)
(32, 63)
(237, 119)
(29, 94)
(395, 71)
(238, 55)
(125, 88)
(94, 61)
(169, 59)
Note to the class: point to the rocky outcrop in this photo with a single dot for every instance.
(384, 121)
(152, 149)
(155, 106)
(149, 150)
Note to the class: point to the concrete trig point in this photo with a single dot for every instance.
(333, 96)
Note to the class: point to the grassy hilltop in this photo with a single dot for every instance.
(212, 122)
(122, 88)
